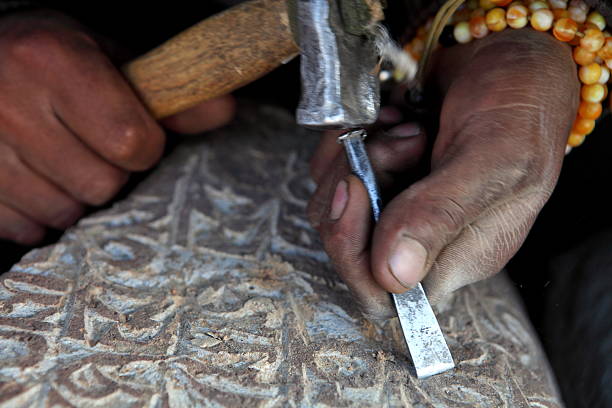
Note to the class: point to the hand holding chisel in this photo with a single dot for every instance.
(340, 90)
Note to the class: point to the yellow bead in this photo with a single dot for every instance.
(593, 40)
(496, 19)
(462, 33)
(558, 4)
(565, 29)
(542, 19)
(478, 27)
(538, 5)
(578, 15)
(486, 4)
(583, 126)
(575, 139)
(583, 57)
(590, 110)
(593, 93)
(590, 74)
(605, 75)
(597, 19)
(516, 16)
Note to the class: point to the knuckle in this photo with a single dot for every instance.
(36, 45)
(135, 147)
(128, 143)
(102, 187)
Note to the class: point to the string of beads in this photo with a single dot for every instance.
(571, 23)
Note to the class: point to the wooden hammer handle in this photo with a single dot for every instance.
(214, 57)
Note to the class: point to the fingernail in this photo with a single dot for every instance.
(407, 262)
(339, 201)
(404, 130)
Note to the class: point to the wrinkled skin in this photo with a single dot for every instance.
(71, 128)
(509, 101)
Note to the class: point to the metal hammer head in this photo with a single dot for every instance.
(340, 88)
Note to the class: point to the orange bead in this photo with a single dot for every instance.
(583, 57)
(590, 74)
(501, 3)
(496, 19)
(605, 52)
(542, 19)
(593, 39)
(516, 16)
(583, 126)
(560, 13)
(593, 93)
(575, 139)
(590, 110)
(565, 29)
(478, 27)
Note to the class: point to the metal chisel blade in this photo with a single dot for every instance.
(426, 343)
(429, 351)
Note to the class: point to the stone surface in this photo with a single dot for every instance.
(207, 287)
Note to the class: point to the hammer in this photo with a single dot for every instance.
(340, 90)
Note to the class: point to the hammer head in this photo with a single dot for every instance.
(340, 87)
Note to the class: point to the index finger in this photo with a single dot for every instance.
(95, 102)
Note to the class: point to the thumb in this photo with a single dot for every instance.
(434, 216)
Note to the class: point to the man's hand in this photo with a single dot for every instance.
(71, 128)
(509, 103)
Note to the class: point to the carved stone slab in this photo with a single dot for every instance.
(207, 287)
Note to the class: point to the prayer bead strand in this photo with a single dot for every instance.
(571, 23)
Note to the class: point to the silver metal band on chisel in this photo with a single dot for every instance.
(426, 343)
